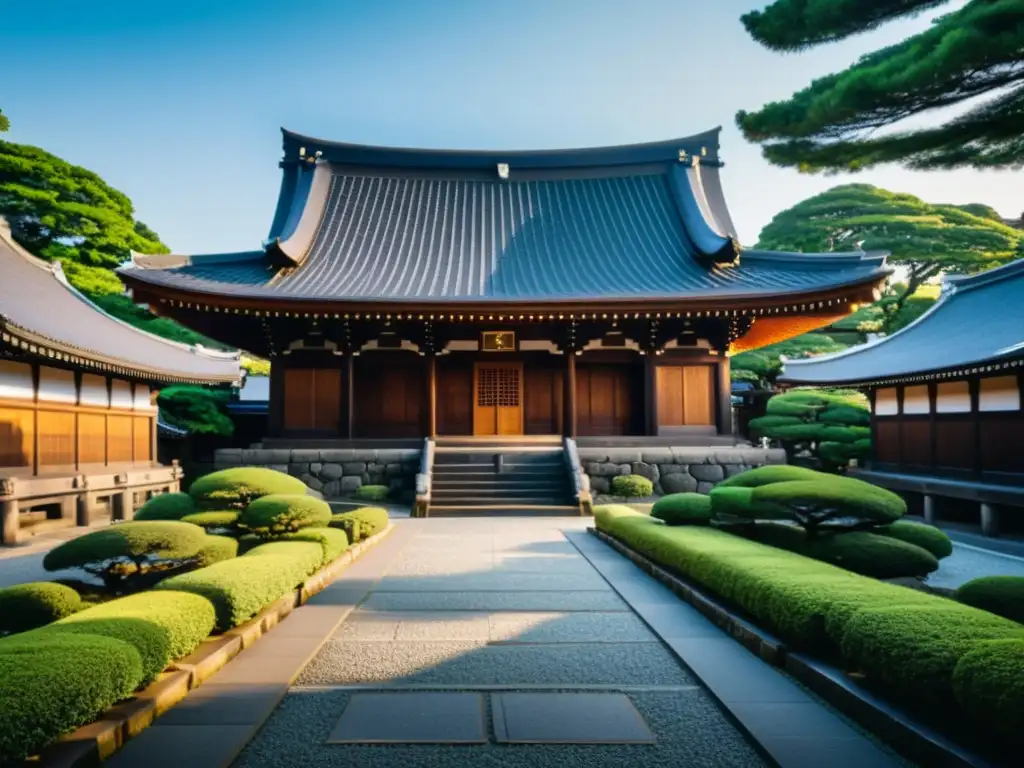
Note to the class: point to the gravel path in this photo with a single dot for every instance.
(968, 562)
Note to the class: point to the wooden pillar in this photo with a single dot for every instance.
(933, 399)
(873, 426)
(431, 394)
(275, 407)
(35, 419)
(899, 427)
(570, 392)
(650, 393)
(723, 390)
(350, 394)
(975, 390)
(10, 523)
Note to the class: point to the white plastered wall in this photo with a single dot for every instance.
(999, 393)
(886, 403)
(57, 386)
(915, 400)
(94, 391)
(953, 397)
(16, 381)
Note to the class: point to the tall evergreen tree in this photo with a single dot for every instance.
(5, 124)
(832, 125)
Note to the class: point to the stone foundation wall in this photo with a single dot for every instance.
(673, 470)
(336, 473)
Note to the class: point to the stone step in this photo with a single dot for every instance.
(499, 501)
(490, 508)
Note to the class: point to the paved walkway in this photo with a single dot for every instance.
(472, 632)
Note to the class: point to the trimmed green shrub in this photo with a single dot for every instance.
(332, 541)
(372, 492)
(27, 606)
(309, 555)
(124, 553)
(235, 488)
(770, 473)
(913, 650)
(605, 514)
(361, 523)
(988, 683)
(50, 684)
(243, 586)
(920, 534)
(632, 486)
(683, 509)
(275, 514)
(213, 519)
(1001, 595)
(215, 549)
(166, 506)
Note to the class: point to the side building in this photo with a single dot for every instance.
(590, 293)
(78, 417)
(946, 397)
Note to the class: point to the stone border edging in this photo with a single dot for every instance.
(93, 743)
(909, 737)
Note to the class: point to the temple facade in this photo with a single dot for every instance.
(945, 395)
(78, 414)
(413, 293)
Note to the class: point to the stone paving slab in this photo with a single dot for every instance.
(567, 718)
(412, 718)
(605, 600)
(553, 627)
(490, 581)
(472, 663)
(175, 746)
(227, 704)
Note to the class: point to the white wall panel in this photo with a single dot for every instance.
(915, 399)
(885, 402)
(120, 394)
(953, 397)
(999, 393)
(57, 386)
(16, 380)
(94, 391)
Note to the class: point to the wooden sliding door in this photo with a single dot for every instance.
(498, 399)
(312, 400)
(686, 395)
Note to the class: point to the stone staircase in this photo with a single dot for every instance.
(490, 477)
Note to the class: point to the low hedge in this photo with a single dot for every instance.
(362, 523)
(28, 606)
(275, 514)
(235, 488)
(333, 542)
(372, 492)
(243, 586)
(212, 518)
(166, 506)
(307, 555)
(1001, 595)
(50, 684)
(988, 683)
(920, 534)
(683, 509)
(632, 486)
(216, 549)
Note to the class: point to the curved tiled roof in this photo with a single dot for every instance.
(978, 321)
(380, 224)
(40, 309)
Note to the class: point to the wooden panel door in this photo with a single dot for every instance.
(685, 395)
(542, 400)
(498, 399)
(312, 400)
(17, 436)
(390, 395)
(603, 400)
(454, 399)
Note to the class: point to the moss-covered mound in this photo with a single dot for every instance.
(1001, 595)
(27, 606)
(683, 509)
(235, 488)
(632, 486)
(166, 506)
(275, 514)
(361, 523)
(924, 536)
(372, 492)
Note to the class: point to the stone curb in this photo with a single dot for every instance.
(93, 743)
(903, 733)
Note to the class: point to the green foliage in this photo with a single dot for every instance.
(770, 473)
(372, 492)
(213, 518)
(309, 553)
(243, 586)
(216, 549)
(5, 124)
(124, 309)
(927, 537)
(765, 364)
(831, 427)
(50, 684)
(124, 553)
(988, 683)
(632, 486)
(275, 514)
(166, 506)
(1001, 595)
(256, 366)
(683, 509)
(235, 488)
(27, 606)
(202, 410)
(972, 53)
(361, 523)
(332, 541)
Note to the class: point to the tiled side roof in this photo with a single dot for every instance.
(38, 305)
(978, 321)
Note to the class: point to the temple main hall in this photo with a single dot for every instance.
(411, 293)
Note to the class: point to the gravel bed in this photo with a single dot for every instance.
(606, 600)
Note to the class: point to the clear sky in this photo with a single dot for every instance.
(178, 103)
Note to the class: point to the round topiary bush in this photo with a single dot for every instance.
(920, 534)
(332, 540)
(123, 554)
(771, 473)
(362, 523)
(215, 549)
(166, 506)
(988, 683)
(27, 606)
(213, 519)
(632, 486)
(683, 509)
(235, 488)
(372, 492)
(1001, 595)
(275, 514)
(51, 684)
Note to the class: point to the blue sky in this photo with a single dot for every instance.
(179, 104)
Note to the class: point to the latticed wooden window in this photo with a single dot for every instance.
(498, 387)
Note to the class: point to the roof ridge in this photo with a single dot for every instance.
(961, 283)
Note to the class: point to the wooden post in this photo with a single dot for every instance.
(723, 388)
(651, 393)
(275, 407)
(431, 394)
(933, 398)
(570, 393)
(975, 390)
(350, 391)
(872, 406)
